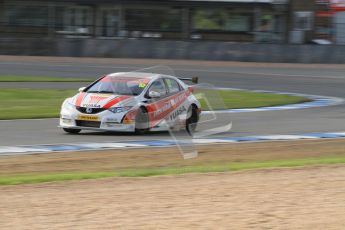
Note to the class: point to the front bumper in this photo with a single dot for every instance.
(105, 121)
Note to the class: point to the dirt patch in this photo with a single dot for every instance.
(300, 198)
(168, 157)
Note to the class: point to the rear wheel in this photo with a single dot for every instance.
(192, 119)
(72, 131)
(142, 121)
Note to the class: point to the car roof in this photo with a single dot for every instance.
(140, 75)
(135, 75)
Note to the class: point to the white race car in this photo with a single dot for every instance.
(132, 102)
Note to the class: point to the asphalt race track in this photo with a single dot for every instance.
(318, 80)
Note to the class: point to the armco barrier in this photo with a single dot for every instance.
(166, 49)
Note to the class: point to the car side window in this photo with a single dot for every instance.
(159, 87)
(173, 86)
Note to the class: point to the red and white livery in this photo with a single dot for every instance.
(132, 102)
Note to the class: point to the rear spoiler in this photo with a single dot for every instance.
(192, 79)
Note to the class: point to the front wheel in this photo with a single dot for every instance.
(192, 120)
(72, 131)
(142, 121)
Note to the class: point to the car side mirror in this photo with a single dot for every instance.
(81, 89)
(154, 94)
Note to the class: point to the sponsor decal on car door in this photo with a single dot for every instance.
(161, 109)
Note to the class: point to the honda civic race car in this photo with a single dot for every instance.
(132, 102)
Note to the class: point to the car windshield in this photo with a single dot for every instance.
(119, 85)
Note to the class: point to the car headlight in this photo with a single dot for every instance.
(120, 109)
(68, 106)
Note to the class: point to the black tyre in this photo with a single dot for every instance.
(72, 131)
(142, 121)
(192, 119)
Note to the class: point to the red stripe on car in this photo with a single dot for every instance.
(115, 101)
(80, 99)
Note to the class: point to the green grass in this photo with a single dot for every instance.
(38, 103)
(31, 179)
(235, 99)
(31, 103)
(17, 78)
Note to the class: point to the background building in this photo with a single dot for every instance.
(224, 20)
(301, 20)
(236, 30)
(317, 19)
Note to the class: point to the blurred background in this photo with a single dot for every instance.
(188, 29)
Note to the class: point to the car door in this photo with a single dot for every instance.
(159, 107)
(170, 103)
(177, 98)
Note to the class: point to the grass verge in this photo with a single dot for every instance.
(17, 78)
(32, 179)
(38, 103)
(237, 99)
(32, 103)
